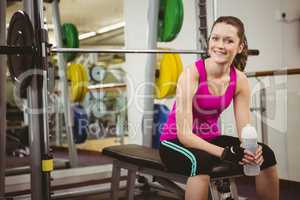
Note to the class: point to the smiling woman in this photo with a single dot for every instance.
(204, 90)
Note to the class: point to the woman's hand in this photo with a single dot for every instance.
(251, 158)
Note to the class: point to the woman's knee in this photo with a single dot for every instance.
(200, 178)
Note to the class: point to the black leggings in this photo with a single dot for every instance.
(191, 162)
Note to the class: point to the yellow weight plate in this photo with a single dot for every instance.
(165, 81)
(74, 76)
(179, 65)
(173, 71)
(83, 82)
(179, 68)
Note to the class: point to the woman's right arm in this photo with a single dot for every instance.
(186, 88)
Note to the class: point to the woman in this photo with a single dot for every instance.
(191, 142)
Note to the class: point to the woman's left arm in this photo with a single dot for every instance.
(243, 116)
(241, 102)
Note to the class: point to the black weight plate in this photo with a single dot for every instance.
(20, 33)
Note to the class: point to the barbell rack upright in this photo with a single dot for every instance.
(40, 186)
(73, 157)
(2, 99)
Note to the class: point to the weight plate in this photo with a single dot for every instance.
(170, 16)
(84, 82)
(160, 117)
(20, 33)
(78, 78)
(80, 128)
(180, 16)
(179, 68)
(70, 39)
(73, 77)
(95, 130)
(97, 73)
(98, 109)
(167, 76)
(173, 71)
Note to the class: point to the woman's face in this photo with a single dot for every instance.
(224, 43)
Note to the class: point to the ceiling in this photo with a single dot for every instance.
(89, 16)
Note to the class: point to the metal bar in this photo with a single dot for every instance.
(2, 99)
(30, 50)
(9, 50)
(34, 137)
(115, 181)
(215, 9)
(62, 73)
(141, 51)
(280, 72)
(34, 143)
(263, 112)
(152, 16)
(107, 86)
(39, 102)
(137, 51)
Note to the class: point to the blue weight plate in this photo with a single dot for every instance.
(160, 117)
(80, 128)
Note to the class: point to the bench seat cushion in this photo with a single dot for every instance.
(147, 157)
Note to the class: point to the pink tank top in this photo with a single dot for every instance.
(206, 108)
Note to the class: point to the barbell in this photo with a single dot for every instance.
(23, 52)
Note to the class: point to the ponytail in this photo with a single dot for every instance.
(240, 59)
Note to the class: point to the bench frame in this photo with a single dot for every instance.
(164, 179)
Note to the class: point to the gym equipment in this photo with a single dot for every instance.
(95, 130)
(98, 95)
(70, 39)
(98, 109)
(142, 159)
(20, 34)
(30, 49)
(78, 79)
(160, 117)
(170, 19)
(179, 70)
(10, 97)
(85, 81)
(51, 77)
(97, 73)
(80, 128)
(167, 75)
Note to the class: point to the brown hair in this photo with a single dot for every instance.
(240, 59)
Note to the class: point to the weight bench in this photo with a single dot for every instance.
(137, 158)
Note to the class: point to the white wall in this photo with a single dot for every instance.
(279, 45)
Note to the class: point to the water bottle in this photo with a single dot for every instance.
(249, 142)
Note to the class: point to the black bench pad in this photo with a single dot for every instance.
(143, 156)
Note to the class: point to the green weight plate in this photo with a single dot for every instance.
(20, 33)
(160, 31)
(180, 16)
(70, 39)
(169, 16)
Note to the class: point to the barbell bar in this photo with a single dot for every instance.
(9, 50)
